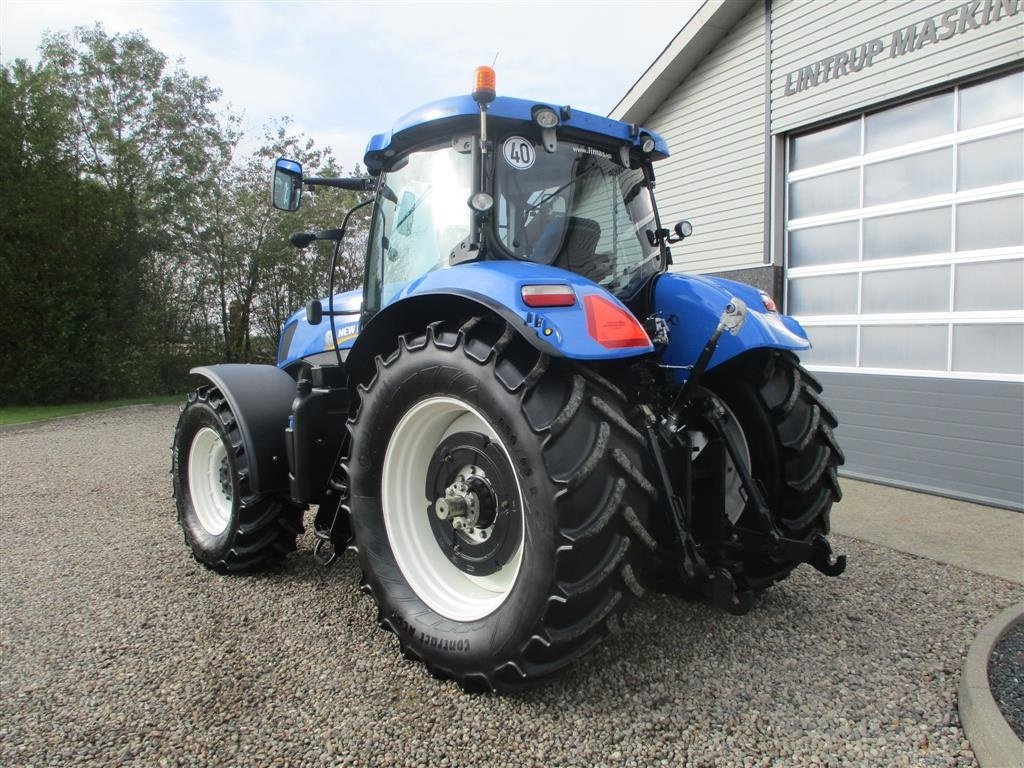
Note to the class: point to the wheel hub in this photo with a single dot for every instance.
(225, 478)
(459, 504)
(460, 574)
(474, 516)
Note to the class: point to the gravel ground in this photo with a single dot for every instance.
(117, 648)
(1006, 677)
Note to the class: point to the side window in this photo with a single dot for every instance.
(601, 198)
(422, 215)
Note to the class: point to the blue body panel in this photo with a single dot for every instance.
(564, 329)
(308, 339)
(692, 305)
(433, 116)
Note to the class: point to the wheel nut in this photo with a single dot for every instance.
(441, 509)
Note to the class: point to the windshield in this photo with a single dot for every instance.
(577, 209)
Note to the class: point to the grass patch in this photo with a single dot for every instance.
(21, 414)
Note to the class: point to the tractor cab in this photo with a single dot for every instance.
(577, 208)
(487, 178)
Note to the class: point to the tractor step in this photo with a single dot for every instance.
(331, 522)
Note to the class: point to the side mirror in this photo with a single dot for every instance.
(286, 187)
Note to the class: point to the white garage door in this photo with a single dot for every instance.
(905, 262)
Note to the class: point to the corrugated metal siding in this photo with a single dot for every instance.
(955, 437)
(807, 31)
(714, 125)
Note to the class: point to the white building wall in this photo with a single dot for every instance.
(715, 128)
(911, 46)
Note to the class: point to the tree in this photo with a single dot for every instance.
(136, 237)
(107, 150)
(257, 276)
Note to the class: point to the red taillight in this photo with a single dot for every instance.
(611, 326)
(548, 295)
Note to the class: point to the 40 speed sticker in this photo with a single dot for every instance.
(518, 152)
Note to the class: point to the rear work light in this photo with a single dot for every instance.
(548, 295)
(613, 327)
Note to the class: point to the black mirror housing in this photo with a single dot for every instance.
(314, 312)
(286, 185)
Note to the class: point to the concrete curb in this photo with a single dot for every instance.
(994, 743)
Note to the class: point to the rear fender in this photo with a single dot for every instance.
(490, 287)
(260, 397)
(692, 306)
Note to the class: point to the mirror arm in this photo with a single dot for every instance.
(356, 184)
(303, 239)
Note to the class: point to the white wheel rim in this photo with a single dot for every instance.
(437, 581)
(207, 469)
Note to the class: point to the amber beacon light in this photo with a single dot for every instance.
(484, 85)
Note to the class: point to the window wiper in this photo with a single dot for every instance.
(557, 192)
(413, 209)
(630, 196)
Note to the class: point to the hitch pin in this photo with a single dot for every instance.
(733, 317)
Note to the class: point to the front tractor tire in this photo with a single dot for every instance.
(499, 504)
(225, 524)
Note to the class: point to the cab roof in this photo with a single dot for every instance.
(433, 118)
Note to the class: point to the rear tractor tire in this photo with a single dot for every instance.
(787, 431)
(225, 524)
(499, 504)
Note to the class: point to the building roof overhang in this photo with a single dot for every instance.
(695, 40)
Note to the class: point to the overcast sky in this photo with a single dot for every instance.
(346, 70)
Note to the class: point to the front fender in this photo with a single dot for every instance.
(260, 397)
(693, 304)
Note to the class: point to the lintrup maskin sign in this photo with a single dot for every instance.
(935, 29)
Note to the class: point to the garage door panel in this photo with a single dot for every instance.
(870, 394)
(946, 408)
(982, 493)
(933, 433)
(893, 419)
(960, 450)
(983, 474)
(982, 487)
(904, 256)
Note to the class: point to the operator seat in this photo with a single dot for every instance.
(578, 252)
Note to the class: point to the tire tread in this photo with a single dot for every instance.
(267, 525)
(595, 568)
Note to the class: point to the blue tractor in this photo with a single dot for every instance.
(523, 419)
